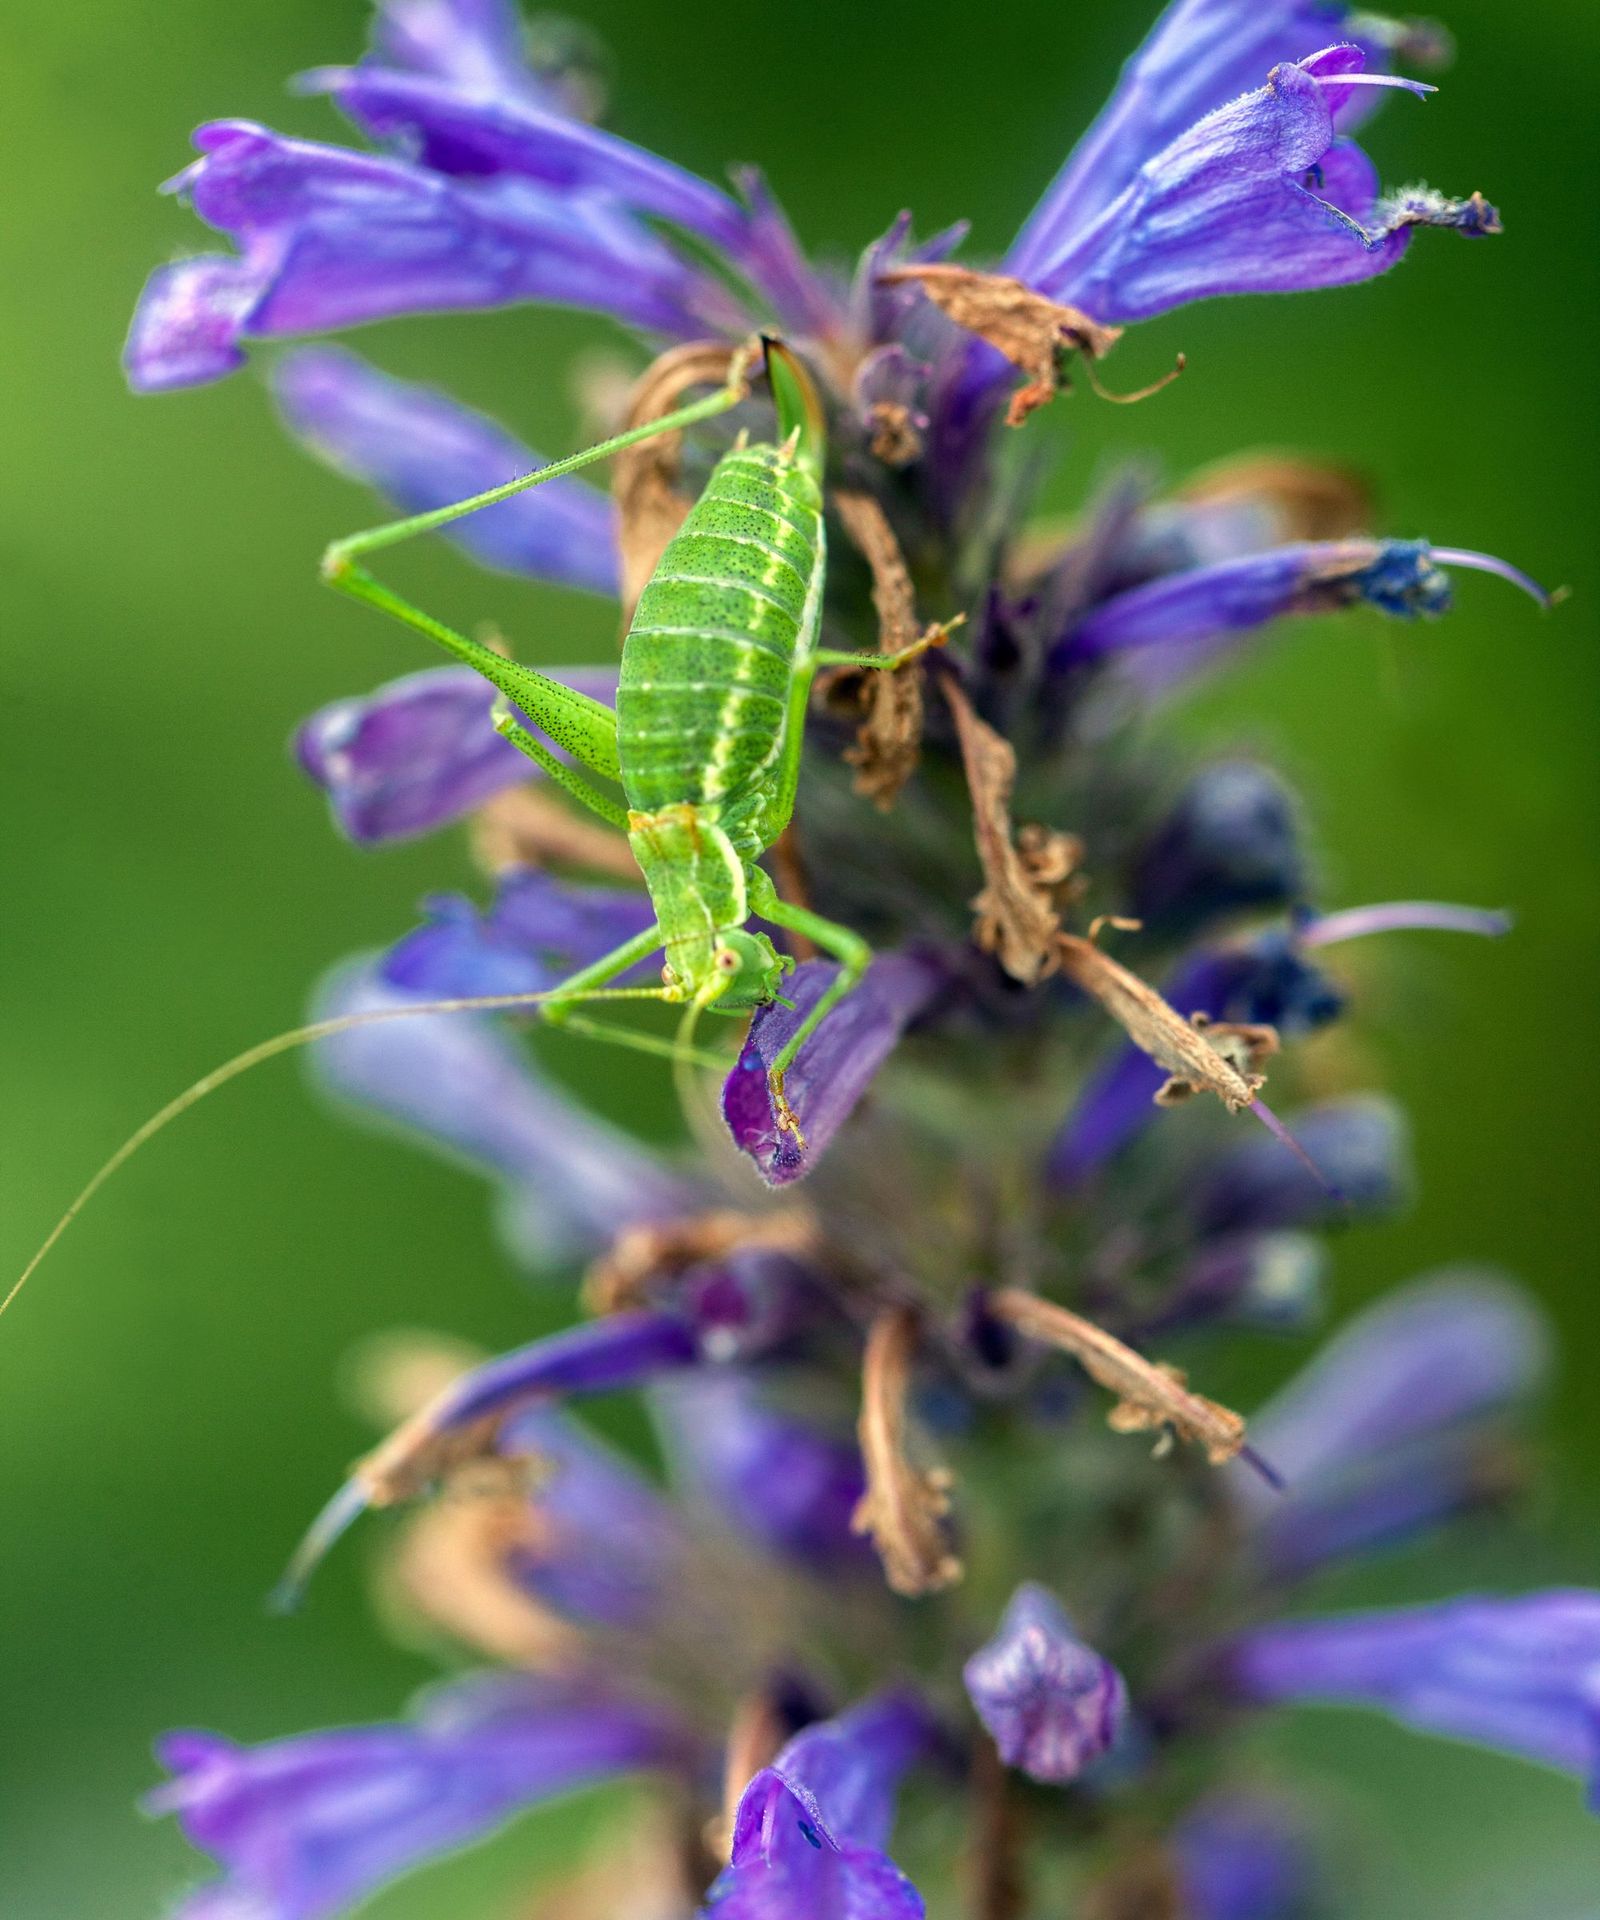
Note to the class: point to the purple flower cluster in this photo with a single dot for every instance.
(900, 1541)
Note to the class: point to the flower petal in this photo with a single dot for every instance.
(1243, 1857)
(1518, 1675)
(1230, 842)
(331, 238)
(421, 450)
(809, 1833)
(420, 752)
(1051, 1703)
(835, 1066)
(1358, 1145)
(539, 931)
(1199, 55)
(309, 1826)
(779, 1479)
(1440, 1352)
(1258, 197)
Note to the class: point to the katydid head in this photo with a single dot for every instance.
(750, 970)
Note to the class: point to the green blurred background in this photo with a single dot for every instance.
(168, 1407)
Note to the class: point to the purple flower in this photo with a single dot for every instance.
(1439, 1352)
(1242, 1857)
(773, 1475)
(809, 1835)
(568, 1179)
(1169, 627)
(308, 1827)
(539, 931)
(419, 753)
(1381, 1437)
(834, 1067)
(473, 43)
(1358, 1146)
(611, 1548)
(625, 1350)
(1260, 196)
(330, 238)
(1231, 842)
(1199, 55)
(1519, 1675)
(421, 450)
(1051, 1703)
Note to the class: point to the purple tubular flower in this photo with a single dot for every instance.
(809, 1835)
(539, 931)
(569, 1180)
(835, 1066)
(1521, 1676)
(1199, 55)
(1051, 1703)
(1242, 1857)
(1261, 196)
(1231, 842)
(331, 238)
(624, 1350)
(421, 752)
(776, 1478)
(421, 451)
(472, 133)
(472, 43)
(307, 1827)
(1265, 981)
(1440, 1353)
(610, 1544)
(1357, 1145)
(1170, 627)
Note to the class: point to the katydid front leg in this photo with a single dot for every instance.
(583, 727)
(848, 948)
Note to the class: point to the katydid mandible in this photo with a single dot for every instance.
(705, 742)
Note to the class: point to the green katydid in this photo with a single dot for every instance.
(704, 743)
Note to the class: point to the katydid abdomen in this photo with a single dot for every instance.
(728, 616)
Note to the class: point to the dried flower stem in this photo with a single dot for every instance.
(1150, 1395)
(645, 477)
(903, 1507)
(1218, 1058)
(1017, 918)
(889, 740)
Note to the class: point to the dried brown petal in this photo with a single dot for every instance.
(895, 439)
(904, 1506)
(1189, 1050)
(1150, 1395)
(644, 481)
(642, 1257)
(1309, 499)
(1017, 920)
(1034, 334)
(889, 739)
(529, 827)
(456, 1568)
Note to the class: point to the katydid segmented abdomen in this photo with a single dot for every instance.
(729, 613)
